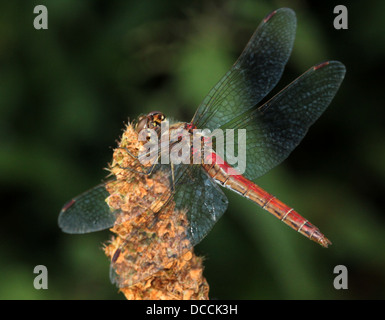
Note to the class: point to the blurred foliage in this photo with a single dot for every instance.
(66, 92)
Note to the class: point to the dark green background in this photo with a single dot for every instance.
(66, 92)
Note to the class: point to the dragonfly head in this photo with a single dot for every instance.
(152, 120)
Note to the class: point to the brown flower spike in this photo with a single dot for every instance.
(151, 255)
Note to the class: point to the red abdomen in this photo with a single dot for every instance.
(248, 189)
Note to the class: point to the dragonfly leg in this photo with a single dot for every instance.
(147, 172)
(173, 178)
(140, 157)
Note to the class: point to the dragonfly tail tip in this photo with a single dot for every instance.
(325, 242)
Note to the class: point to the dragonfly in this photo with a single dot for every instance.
(273, 130)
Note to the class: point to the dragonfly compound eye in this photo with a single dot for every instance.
(142, 123)
(156, 118)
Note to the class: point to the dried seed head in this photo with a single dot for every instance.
(150, 253)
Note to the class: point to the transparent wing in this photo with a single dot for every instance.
(277, 127)
(190, 210)
(254, 74)
(87, 212)
(203, 201)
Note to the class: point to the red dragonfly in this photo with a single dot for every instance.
(273, 130)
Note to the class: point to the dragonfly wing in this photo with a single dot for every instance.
(274, 129)
(254, 74)
(202, 199)
(190, 209)
(88, 212)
